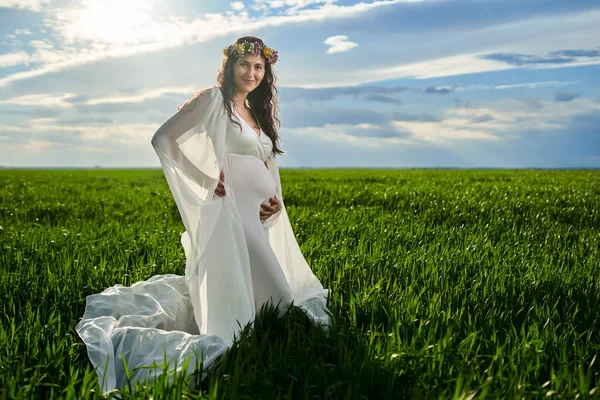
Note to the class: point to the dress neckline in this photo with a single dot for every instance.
(259, 133)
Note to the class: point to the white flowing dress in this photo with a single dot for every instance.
(234, 263)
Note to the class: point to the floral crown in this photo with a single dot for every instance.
(254, 48)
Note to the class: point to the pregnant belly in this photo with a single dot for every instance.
(250, 180)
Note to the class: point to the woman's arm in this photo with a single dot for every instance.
(190, 146)
(166, 137)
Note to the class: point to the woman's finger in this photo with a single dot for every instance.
(265, 214)
(275, 205)
(220, 190)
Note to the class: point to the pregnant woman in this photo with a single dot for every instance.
(218, 155)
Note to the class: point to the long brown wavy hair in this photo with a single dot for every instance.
(263, 100)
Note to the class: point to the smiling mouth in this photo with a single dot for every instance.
(248, 81)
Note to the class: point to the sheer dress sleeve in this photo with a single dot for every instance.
(191, 148)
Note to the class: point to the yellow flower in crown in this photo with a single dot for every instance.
(240, 49)
(225, 51)
(268, 52)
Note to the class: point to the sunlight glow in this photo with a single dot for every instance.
(113, 21)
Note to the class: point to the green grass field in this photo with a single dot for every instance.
(444, 284)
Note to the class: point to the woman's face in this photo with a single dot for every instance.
(248, 72)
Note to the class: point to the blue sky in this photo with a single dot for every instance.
(378, 83)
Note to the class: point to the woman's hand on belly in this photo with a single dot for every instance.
(220, 190)
(267, 210)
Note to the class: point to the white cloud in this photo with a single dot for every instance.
(116, 133)
(302, 3)
(521, 115)
(293, 5)
(435, 68)
(106, 134)
(296, 5)
(525, 85)
(535, 85)
(38, 146)
(448, 130)
(339, 133)
(32, 5)
(492, 121)
(42, 120)
(499, 120)
(237, 5)
(413, 133)
(330, 10)
(12, 128)
(339, 43)
(11, 59)
(46, 100)
(141, 96)
(23, 32)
